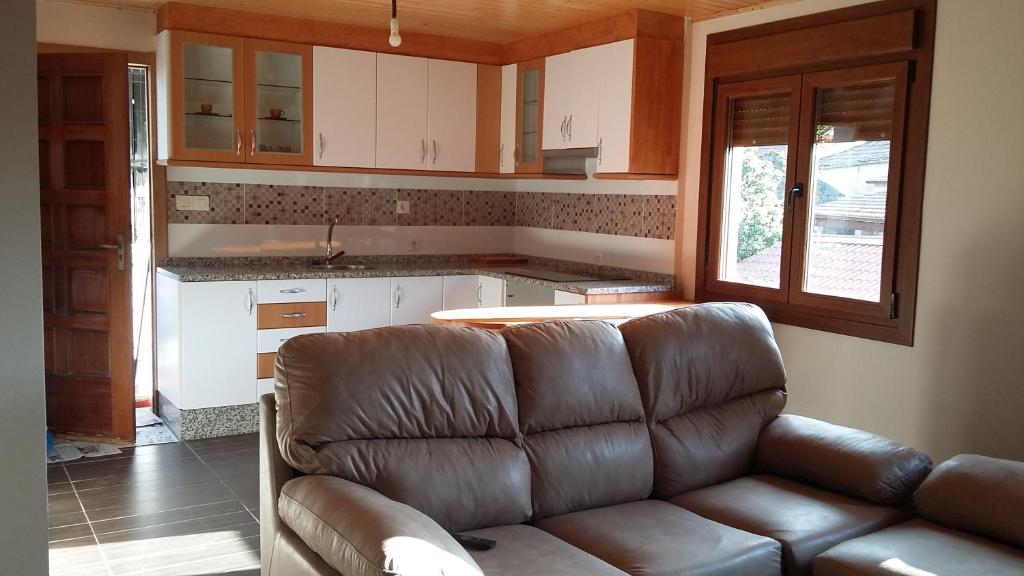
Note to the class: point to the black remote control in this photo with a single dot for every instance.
(474, 542)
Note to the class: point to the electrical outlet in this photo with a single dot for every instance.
(182, 202)
(201, 203)
(415, 245)
(402, 207)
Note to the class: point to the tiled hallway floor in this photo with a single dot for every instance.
(189, 508)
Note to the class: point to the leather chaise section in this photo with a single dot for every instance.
(920, 548)
(654, 538)
(804, 519)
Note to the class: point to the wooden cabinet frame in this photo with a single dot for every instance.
(537, 166)
(250, 145)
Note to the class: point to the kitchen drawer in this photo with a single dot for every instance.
(292, 315)
(271, 340)
(265, 364)
(278, 291)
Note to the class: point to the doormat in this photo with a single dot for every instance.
(66, 451)
(150, 429)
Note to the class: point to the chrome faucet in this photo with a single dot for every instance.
(329, 257)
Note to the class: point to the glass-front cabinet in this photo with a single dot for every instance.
(529, 117)
(239, 100)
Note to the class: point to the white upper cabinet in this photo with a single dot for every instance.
(557, 100)
(402, 112)
(615, 112)
(451, 116)
(506, 161)
(344, 107)
(588, 68)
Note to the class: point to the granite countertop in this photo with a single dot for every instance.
(609, 280)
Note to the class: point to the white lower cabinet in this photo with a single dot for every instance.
(217, 336)
(472, 291)
(358, 303)
(492, 292)
(569, 298)
(415, 298)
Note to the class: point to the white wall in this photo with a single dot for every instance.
(23, 474)
(75, 24)
(961, 387)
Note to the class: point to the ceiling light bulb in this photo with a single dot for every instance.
(395, 40)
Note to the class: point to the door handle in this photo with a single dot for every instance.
(238, 142)
(294, 315)
(434, 159)
(794, 193)
(564, 120)
(515, 156)
(119, 246)
(423, 150)
(293, 291)
(249, 301)
(321, 146)
(479, 294)
(252, 142)
(600, 151)
(398, 297)
(568, 128)
(334, 298)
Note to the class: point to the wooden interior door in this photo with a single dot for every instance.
(84, 194)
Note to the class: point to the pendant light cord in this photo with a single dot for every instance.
(394, 8)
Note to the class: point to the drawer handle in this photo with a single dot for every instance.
(294, 315)
(293, 291)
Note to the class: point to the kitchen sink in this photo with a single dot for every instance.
(329, 266)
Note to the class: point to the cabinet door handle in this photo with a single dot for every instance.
(334, 298)
(293, 291)
(423, 150)
(293, 315)
(515, 156)
(568, 128)
(252, 142)
(434, 144)
(238, 142)
(501, 155)
(249, 300)
(600, 151)
(564, 119)
(321, 146)
(480, 294)
(398, 297)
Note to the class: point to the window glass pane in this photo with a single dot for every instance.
(754, 190)
(848, 191)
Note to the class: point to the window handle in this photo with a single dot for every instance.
(794, 193)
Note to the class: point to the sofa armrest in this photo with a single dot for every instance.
(977, 494)
(844, 460)
(360, 532)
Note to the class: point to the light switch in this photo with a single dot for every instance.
(402, 207)
(192, 203)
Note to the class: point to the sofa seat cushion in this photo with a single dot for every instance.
(805, 520)
(920, 547)
(527, 551)
(655, 538)
(359, 532)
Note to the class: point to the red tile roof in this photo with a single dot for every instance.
(847, 266)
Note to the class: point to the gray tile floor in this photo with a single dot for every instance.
(189, 508)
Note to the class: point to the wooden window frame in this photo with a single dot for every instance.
(861, 39)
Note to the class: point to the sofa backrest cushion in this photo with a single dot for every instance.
(711, 377)
(426, 415)
(580, 415)
(976, 494)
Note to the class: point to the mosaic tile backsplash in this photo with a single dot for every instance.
(644, 216)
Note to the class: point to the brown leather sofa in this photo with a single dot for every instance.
(582, 449)
(971, 523)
